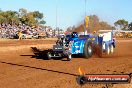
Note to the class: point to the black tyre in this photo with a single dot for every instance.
(88, 49)
(48, 55)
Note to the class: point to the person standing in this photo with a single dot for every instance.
(20, 35)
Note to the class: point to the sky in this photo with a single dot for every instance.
(72, 12)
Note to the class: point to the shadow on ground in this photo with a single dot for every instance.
(39, 54)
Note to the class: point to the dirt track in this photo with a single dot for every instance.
(20, 69)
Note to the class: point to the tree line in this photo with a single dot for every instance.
(123, 25)
(23, 16)
(35, 18)
(95, 24)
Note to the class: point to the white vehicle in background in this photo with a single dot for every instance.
(24, 36)
(29, 36)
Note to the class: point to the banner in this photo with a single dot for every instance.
(86, 21)
(104, 78)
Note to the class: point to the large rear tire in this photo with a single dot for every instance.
(88, 49)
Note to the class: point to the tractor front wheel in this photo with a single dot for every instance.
(48, 55)
(69, 57)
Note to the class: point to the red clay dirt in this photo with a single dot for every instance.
(20, 69)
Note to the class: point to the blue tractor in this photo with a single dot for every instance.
(90, 44)
(86, 45)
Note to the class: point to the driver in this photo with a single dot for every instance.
(74, 35)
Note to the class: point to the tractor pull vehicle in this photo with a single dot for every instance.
(61, 49)
(86, 45)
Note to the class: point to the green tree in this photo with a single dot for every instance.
(42, 22)
(130, 26)
(9, 17)
(34, 18)
(31, 18)
(12, 17)
(22, 12)
(37, 15)
(122, 24)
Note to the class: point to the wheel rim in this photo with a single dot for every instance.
(108, 50)
(111, 49)
(89, 49)
(69, 56)
(49, 55)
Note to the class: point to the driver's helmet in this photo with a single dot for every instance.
(94, 32)
(74, 35)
